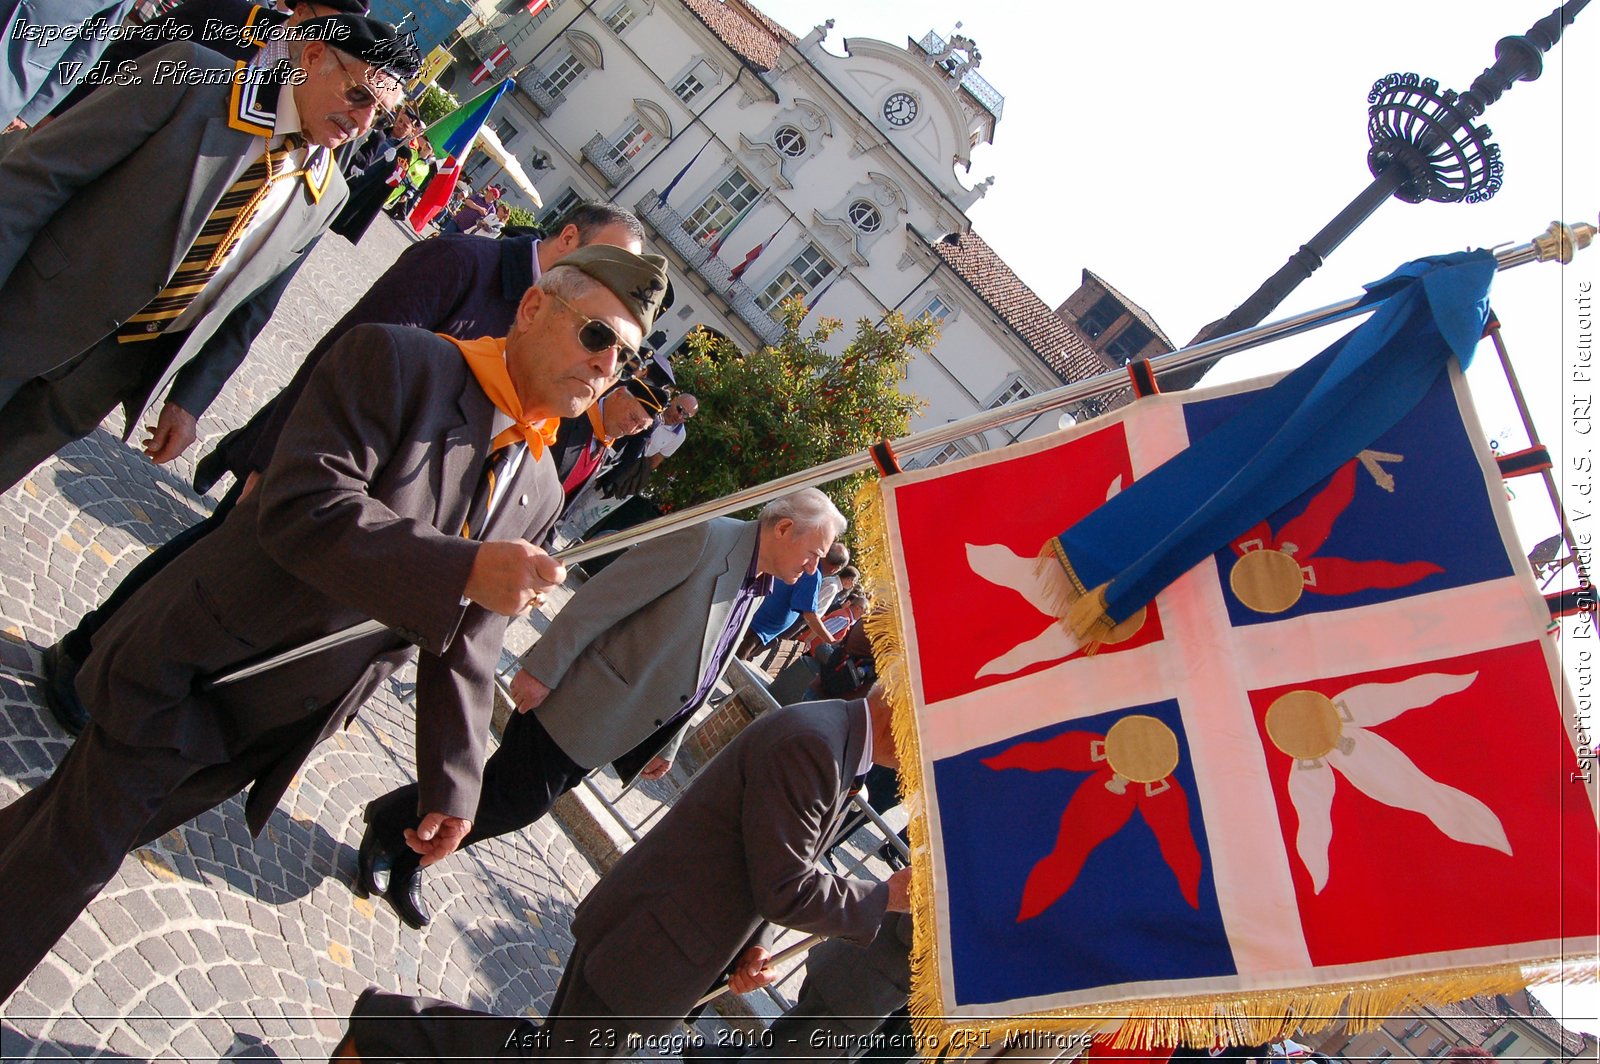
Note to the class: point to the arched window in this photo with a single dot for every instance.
(865, 217)
(789, 141)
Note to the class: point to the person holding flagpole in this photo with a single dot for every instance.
(462, 286)
(410, 498)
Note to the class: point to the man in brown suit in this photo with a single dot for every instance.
(366, 511)
(695, 898)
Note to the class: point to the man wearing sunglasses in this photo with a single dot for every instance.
(231, 165)
(584, 446)
(669, 434)
(459, 286)
(412, 479)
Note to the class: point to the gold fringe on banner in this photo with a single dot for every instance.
(1083, 612)
(1248, 1018)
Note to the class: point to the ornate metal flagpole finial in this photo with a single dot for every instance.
(1411, 124)
(1424, 147)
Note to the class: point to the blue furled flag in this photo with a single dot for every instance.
(661, 200)
(1295, 434)
(816, 297)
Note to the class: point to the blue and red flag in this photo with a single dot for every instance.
(1299, 775)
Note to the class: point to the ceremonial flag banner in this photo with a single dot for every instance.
(452, 137)
(490, 65)
(1331, 767)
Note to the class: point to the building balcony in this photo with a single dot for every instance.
(987, 96)
(604, 157)
(533, 85)
(668, 225)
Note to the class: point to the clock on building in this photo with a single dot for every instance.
(900, 109)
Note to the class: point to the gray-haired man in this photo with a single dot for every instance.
(615, 679)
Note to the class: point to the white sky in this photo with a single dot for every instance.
(1184, 150)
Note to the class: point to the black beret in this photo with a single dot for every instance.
(349, 7)
(380, 45)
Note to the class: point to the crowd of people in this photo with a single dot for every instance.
(436, 433)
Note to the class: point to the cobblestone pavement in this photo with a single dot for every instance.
(209, 944)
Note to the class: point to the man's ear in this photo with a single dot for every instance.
(569, 238)
(532, 300)
(312, 54)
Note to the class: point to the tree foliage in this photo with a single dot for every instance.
(435, 104)
(522, 216)
(790, 407)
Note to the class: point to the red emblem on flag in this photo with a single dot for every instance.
(1132, 765)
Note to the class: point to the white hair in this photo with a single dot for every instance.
(568, 282)
(808, 508)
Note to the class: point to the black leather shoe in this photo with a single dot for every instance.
(60, 690)
(405, 896)
(209, 470)
(372, 863)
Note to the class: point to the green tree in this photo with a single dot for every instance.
(787, 408)
(522, 216)
(435, 104)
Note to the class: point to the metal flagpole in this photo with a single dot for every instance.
(1558, 243)
(803, 946)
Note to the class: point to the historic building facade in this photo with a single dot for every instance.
(765, 167)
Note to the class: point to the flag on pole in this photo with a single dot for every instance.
(727, 230)
(661, 200)
(816, 297)
(537, 6)
(452, 138)
(755, 253)
(499, 56)
(1199, 826)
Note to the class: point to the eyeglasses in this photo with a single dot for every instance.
(357, 93)
(597, 337)
(681, 410)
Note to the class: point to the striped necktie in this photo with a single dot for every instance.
(218, 237)
(493, 467)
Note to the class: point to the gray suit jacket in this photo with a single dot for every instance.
(102, 204)
(39, 75)
(357, 516)
(629, 649)
(740, 847)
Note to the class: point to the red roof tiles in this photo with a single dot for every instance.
(1019, 306)
(752, 36)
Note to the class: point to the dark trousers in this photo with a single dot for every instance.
(521, 781)
(48, 412)
(62, 841)
(80, 640)
(396, 1029)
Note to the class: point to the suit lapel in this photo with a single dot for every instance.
(461, 454)
(218, 166)
(513, 513)
(735, 564)
(854, 745)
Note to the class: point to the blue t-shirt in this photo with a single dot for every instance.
(784, 606)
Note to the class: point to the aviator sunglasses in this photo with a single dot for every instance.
(597, 337)
(357, 94)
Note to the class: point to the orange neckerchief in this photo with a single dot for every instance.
(486, 357)
(599, 424)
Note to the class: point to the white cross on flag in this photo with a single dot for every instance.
(1333, 765)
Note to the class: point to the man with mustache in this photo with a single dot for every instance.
(232, 167)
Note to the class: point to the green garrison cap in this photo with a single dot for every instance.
(640, 281)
